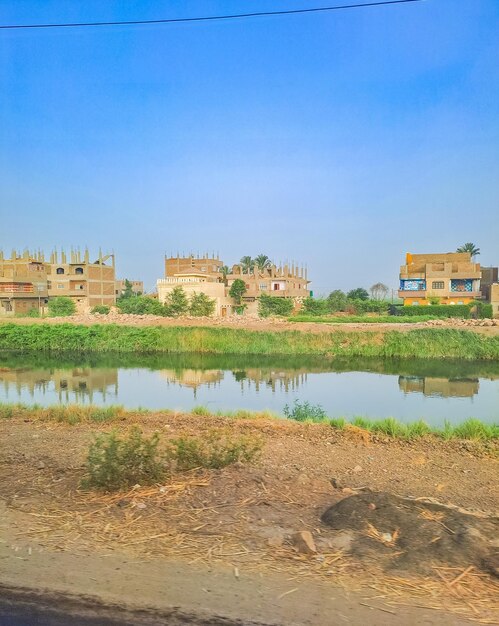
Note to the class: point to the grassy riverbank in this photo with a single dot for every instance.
(471, 429)
(421, 343)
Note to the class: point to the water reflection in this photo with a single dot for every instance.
(440, 387)
(434, 390)
(70, 385)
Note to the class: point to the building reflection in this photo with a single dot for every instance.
(256, 378)
(440, 387)
(77, 384)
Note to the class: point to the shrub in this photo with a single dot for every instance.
(315, 306)
(435, 310)
(176, 302)
(214, 450)
(201, 305)
(115, 462)
(483, 310)
(237, 290)
(103, 309)
(337, 301)
(140, 305)
(30, 313)
(61, 306)
(302, 411)
(358, 294)
(272, 305)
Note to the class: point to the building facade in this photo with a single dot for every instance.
(88, 283)
(23, 283)
(452, 278)
(209, 275)
(137, 287)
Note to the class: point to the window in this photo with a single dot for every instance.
(438, 284)
(59, 270)
(60, 286)
(415, 303)
(79, 270)
(263, 286)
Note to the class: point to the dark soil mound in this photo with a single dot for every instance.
(415, 535)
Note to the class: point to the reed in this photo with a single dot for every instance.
(106, 338)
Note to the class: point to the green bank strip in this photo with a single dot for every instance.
(425, 343)
(471, 429)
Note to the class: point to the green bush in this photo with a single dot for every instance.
(30, 313)
(140, 305)
(61, 306)
(315, 306)
(214, 450)
(337, 301)
(176, 302)
(303, 411)
(272, 305)
(103, 309)
(484, 310)
(115, 462)
(435, 310)
(201, 305)
(237, 290)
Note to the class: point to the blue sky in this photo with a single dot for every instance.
(341, 140)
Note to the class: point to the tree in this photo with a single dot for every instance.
(61, 306)
(224, 270)
(379, 291)
(201, 305)
(140, 305)
(337, 300)
(262, 261)
(128, 291)
(358, 294)
(247, 264)
(237, 290)
(271, 305)
(471, 248)
(177, 302)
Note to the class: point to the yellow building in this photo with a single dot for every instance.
(450, 278)
(23, 283)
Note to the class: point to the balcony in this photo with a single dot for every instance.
(408, 293)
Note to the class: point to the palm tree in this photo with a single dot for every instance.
(224, 270)
(247, 264)
(262, 261)
(471, 248)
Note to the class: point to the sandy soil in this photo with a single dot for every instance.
(235, 522)
(273, 325)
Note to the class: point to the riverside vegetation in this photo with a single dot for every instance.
(421, 343)
(471, 429)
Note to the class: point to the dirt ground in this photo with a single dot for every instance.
(247, 323)
(243, 518)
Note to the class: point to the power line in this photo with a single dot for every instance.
(209, 18)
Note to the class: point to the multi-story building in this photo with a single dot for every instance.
(137, 287)
(285, 281)
(494, 299)
(88, 283)
(490, 276)
(206, 275)
(452, 278)
(205, 265)
(23, 283)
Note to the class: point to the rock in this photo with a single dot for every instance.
(40, 465)
(141, 505)
(304, 542)
(371, 506)
(275, 541)
(357, 469)
(302, 479)
(342, 541)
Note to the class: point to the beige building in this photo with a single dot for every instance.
(137, 287)
(206, 275)
(88, 283)
(23, 283)
(453, 278)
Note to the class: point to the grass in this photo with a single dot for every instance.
(362, 319)
(117, 461)
(471, 429)
(106, 338)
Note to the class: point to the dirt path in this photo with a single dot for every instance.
(273, 325)
(219, 540)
